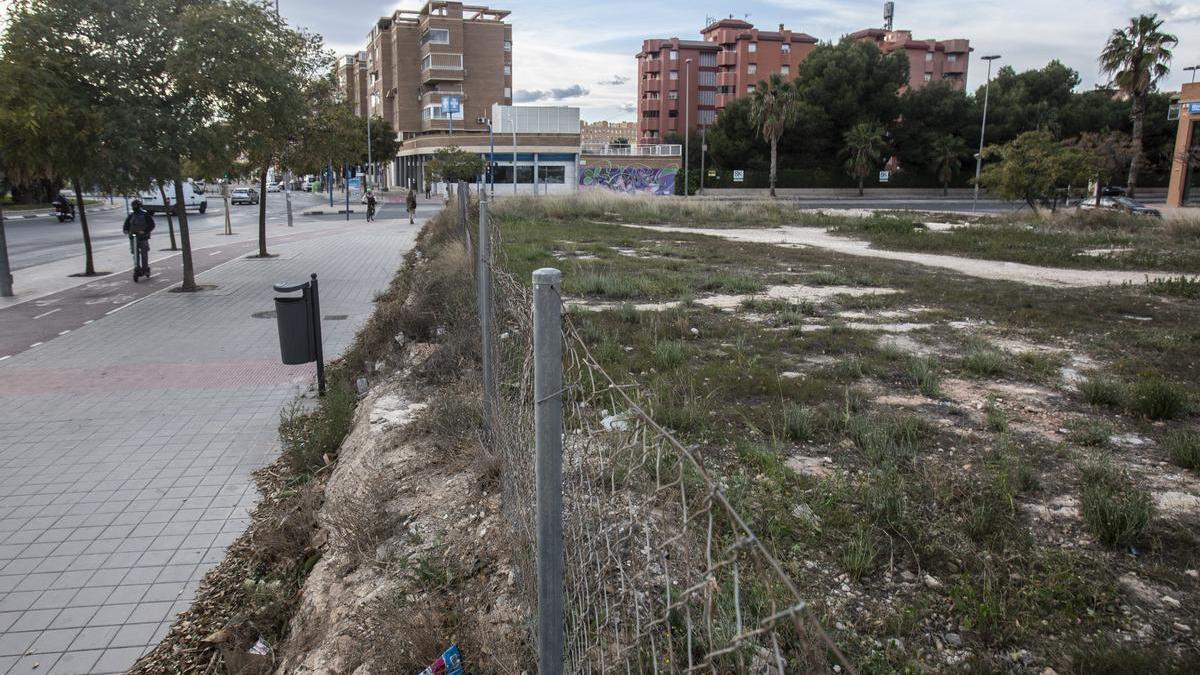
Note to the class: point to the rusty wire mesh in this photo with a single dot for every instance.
(662, 573)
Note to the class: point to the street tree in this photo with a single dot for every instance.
(865, 143)
(773, 108)
(1113, 150)
(382, 138)
(1035, 168)
(59, 117)
(454, 164)
(946, 156)
(1136, 58)
(926, 115)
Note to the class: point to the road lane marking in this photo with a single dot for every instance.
(57, 309)
(34, 345)
(215, 253)
(65, 332)
(88, 321)
(5, 357)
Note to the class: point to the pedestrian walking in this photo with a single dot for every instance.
(428, 190)
(370, 207)
(411, 202)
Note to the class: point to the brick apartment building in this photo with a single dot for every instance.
(605, 133)
(690, 81)
(352, 81)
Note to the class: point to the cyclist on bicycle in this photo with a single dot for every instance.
(370, 206)
(138, 225)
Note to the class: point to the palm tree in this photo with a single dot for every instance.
(1136, 59)
(947, 152)
(772, 110)
(865, 143)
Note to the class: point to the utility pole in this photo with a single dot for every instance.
(987, 87)
(370, 166)
(492, 157)
(687, 111)
(703, 151)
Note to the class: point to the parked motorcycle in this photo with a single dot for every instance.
(64, 212)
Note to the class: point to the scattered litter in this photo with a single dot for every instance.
(362, 386)
(260, 648)
(615, 422)
(449, 663)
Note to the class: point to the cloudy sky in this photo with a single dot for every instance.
(581, 53)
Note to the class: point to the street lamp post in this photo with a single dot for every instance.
(687, 109)
(982, 129)
(512, 118)
(1193, 69)
(703, 151)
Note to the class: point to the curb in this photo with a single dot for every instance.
(51, 214)
(341, 212)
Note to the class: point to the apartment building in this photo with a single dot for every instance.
(604, 133)
(414, 58)
(687, 82)
(928, 60)
(352, 81)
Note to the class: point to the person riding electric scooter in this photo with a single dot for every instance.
(138, 226)
(64, 210)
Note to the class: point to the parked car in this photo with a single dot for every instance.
(243, 196)
(1121, 204)
(193, 197)
(274, 187)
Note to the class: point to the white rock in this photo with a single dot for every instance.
(1172, 602)
(932, 582)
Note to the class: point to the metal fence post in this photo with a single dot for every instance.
(462, 215)
(547, 415)
(314, 297)
(6, 278)
(483, 281)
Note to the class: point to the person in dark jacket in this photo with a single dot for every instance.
(139, 224)
(371, 201)
(411, 202)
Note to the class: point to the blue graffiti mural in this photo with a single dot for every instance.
(629, 179)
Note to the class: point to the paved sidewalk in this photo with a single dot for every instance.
(126, 448)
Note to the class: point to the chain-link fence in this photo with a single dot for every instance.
(660, 571)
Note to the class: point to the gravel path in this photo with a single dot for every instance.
(985, 269)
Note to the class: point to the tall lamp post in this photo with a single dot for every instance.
(1193, 69)
(687, 118)
(370, 162)
(982, 129)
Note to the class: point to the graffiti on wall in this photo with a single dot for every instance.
(630, 179)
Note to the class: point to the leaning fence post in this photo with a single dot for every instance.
(547, 415)
(462, 215)
(483, 287)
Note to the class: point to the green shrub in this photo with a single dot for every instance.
(858, 554)
(1105, 390)
(925, 373)
(669, 354)
(997, 419)
(985, 361)
(308, 437)
(798, 423)
(1181, 286)
(888, 438)
(1114, 510)
(1183, 447)
(1157, 398)
(1090, 432)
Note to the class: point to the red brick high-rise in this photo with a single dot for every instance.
(734, 57)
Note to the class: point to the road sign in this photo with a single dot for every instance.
(451, 105)
(739, 176)
(1194, 108)
(355, 184)
(884, 176)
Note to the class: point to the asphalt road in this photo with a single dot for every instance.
(36, 241)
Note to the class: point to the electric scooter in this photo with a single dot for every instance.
(141, 258)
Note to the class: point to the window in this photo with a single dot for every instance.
(708, 78)
(952, 58)
(650, 114)
(785, 70)
(928, 57)
(706, 97)
(708, 58)
(928, 77)
(508, 45)
(650, 96)
(672, 113)
(749, 89)
(674, 75)
(785, 48)
(674, 55)
(708, 117)
(752, 47)
(508, 92)
(673, 95)
(507, 69)
(552, 174)
(437, 36)
(752, 68)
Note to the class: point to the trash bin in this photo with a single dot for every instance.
(294, 319)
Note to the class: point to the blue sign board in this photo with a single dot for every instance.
(451, 105)
(1194, 108)
(355, 184)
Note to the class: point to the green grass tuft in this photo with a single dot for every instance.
(926, 374)
(985, 361)
(1115, 510)
(1183, 447)
(858, 554)
(1157, 398)
(1103, 390)
(1089, 431)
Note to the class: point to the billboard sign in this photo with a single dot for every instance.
(1194, 108)
(739, 176)
(452, 107)
(884, 176)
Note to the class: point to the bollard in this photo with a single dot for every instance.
(483, 286)
(547, 415)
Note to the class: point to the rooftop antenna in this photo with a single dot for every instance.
(889, 12)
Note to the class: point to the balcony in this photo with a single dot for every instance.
(727, 79)
(645, 150)
(654, 86)
(442, 68)
(435, 97)
(958, 66)
(727, 58)
(653, 67)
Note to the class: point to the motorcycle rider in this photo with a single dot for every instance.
(62, 204)
(139, 224)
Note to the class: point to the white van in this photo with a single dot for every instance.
(193, 197)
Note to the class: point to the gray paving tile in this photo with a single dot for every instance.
(94, 637)
(54, 640)
(73, 617)
(112, 615)
(134, 635)
(15, 644)
(34, 619)
(76, 662)
(117, 660)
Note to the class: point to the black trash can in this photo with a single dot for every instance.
(295, 331)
